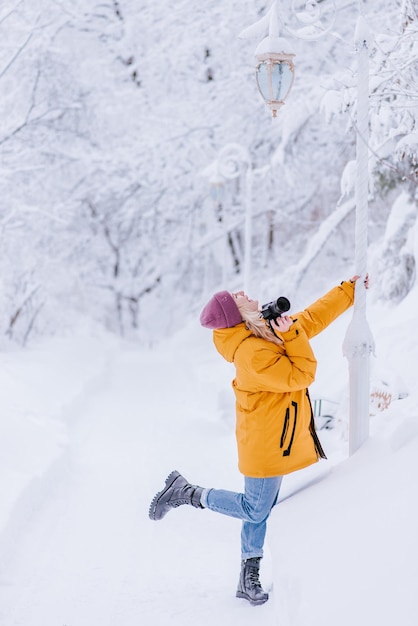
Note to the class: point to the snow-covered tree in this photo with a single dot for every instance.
(110, 113)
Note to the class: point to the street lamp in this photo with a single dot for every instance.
(217, 194)
(234, 159)
(233, 162)
(317, 18)
(275, 70)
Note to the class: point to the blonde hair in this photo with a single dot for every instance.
(256, 323)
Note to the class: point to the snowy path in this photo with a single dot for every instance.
(85, 552)
(77, 547)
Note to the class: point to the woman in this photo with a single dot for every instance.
(275, 427)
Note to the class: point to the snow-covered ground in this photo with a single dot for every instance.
(90, 427)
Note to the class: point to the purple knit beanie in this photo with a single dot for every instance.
(220, 312)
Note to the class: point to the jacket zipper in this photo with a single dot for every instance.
(289, 447)
(285, 427)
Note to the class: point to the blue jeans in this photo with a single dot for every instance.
(253, 507)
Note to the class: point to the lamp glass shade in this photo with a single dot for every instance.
(217, 192)
(274, 79)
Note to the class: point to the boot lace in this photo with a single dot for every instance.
(253, 577)
(184, 496)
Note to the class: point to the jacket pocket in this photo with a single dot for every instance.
(287, 421)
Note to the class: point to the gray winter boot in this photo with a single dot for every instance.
(249, 586)
(177, 491)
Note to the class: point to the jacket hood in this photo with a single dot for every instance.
(228, 340)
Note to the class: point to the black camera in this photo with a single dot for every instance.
(273, 310)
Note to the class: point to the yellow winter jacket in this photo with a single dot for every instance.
(275, 428)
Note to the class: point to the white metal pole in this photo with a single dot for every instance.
(233, 161)
(358, 343)
(248, 250)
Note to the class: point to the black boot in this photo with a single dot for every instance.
(249, 586)
(177, 491)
